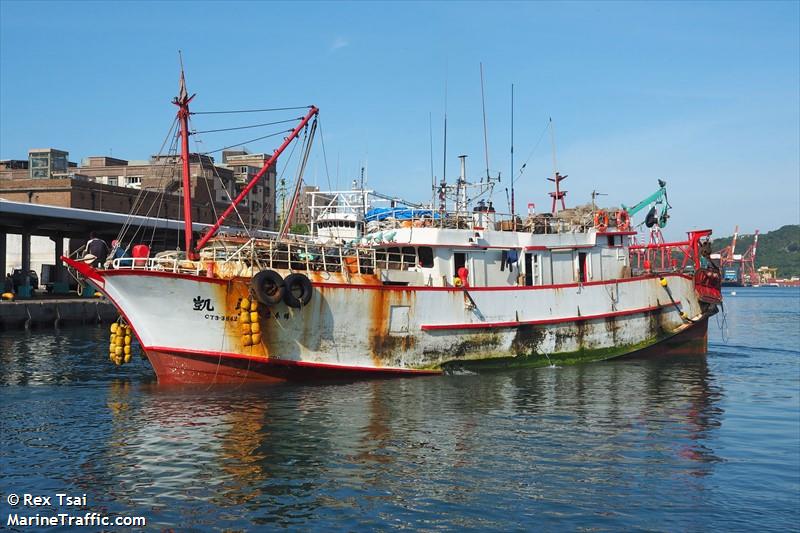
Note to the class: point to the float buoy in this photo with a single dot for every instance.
(601, 220)
(623, 220)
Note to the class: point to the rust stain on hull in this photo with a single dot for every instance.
(386, 348)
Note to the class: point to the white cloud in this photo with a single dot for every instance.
(339, 42)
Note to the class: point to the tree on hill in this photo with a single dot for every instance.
(777, 249)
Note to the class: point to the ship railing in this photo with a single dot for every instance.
(254, 255)
(542, 224)
(176, 265)
(686, 256)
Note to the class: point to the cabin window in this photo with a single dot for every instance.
(394, 254)
(425, 256)
(409, 256)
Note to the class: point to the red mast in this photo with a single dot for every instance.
(558, 194)
(242, 195)
(182, 101)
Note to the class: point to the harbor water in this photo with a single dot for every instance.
(663, 444)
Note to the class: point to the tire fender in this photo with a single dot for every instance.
(297, 291)
(268, 287)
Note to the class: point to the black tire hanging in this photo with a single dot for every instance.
(651, 219)
(298, 290)
(268, 287)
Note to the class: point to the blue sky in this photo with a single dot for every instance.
(703, 95)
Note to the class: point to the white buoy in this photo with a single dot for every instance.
(733, 293)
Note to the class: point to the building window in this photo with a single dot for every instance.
(112, 180)
(39, 161)
(134, 181)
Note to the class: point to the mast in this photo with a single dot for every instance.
(513, 214)
(485, 133)
(313, 111)
(182, 101)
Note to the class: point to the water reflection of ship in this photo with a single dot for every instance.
(286, 449)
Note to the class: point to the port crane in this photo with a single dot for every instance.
(738, 269)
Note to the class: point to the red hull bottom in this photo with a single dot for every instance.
(187, 368)
(184, 368)
(691, 341)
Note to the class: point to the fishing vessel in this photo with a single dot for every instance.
(408, 290)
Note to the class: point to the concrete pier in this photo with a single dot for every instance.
(50, 313)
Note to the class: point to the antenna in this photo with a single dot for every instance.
(444, 156)
(433, 178)
(553, 144)
(595, 194)
(485, 135)
(513, 211)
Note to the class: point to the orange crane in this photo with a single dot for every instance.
(738, 269)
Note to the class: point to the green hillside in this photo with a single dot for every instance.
(778, 249)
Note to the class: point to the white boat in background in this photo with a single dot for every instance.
(409, 291)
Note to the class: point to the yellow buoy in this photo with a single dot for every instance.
(254, 316)
(112, 346)
(98, 294)
(8, 296)
(114, 327)
(119, 341)
(247, 340)
(244, 318)
(255, 328)
(256, 338)
(127, 340)
(127, 358)
(118, 351)
(127, 350)
(112, 355)
(246, 329)
(663, 282)
(254, 305)
(245, 303)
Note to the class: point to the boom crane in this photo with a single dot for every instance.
(658, 198)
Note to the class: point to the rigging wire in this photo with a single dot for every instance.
(324, 156)
(142, 192)
(279, 178)
(292, 120)
(522, 168)
(250, 110)
(225, 190)
(308, 139)
(247, 142)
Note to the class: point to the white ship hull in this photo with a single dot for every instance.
(188, 325)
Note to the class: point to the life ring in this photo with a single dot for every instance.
(601, 220)
(268, 287)
(623, 220)
(298, 290)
